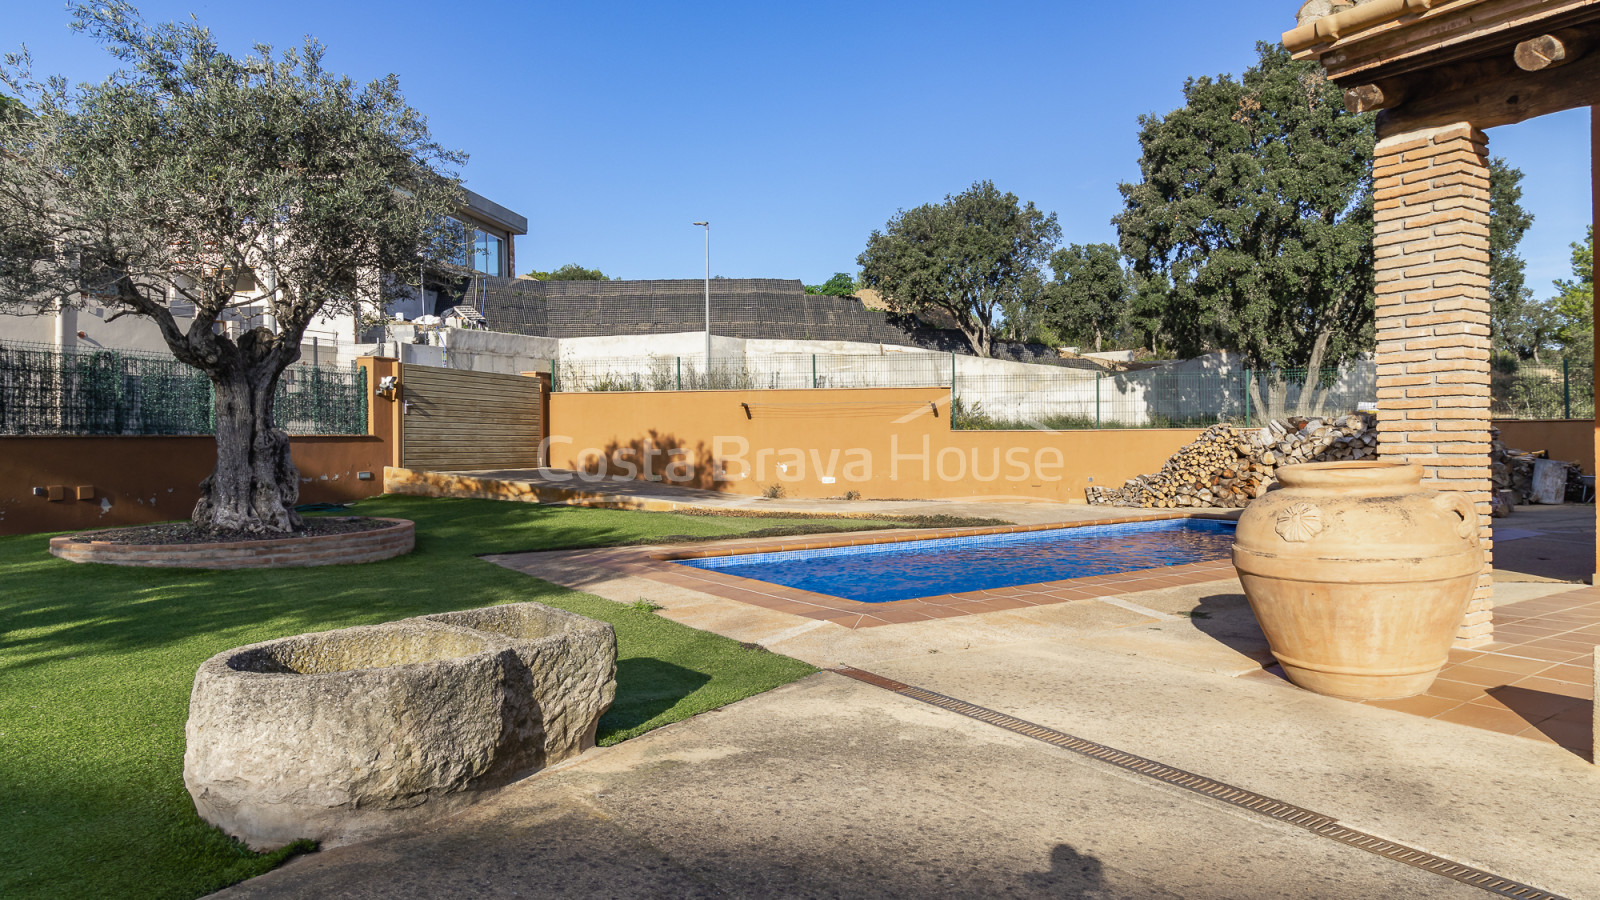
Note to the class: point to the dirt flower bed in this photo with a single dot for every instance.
(187, 533)
(322, 542)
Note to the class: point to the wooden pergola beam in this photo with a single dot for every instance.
(1547, 51)
(1491, 92)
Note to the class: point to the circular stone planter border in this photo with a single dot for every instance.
(396, 538)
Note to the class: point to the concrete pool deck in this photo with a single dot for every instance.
(1535, 683)
(833, 787)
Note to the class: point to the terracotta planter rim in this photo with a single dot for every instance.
(1351, 475)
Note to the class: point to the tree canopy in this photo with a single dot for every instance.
(569, 272)
(1089, 297)
(1518, 324)
(1253, 219)
(976, 257)
(1574, 300)
(840, 285)
(191, 176)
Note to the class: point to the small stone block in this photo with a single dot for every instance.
(58, 492)
(85, 492)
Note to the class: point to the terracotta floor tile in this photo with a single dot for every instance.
(1579, 711)
(1533, 733)
(898, 616)
(1575, 736)
(1522, 635)
(1421, 705)
(1534, 706)
(1543, 654)
(1455, 690)
(1568, 672)
(1484, 717)
(1513, 664)
(1478, 676)
(1562, 643)
(1549, 686)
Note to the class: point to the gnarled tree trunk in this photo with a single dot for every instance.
(255, 485)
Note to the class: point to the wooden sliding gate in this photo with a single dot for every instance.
(459, 420)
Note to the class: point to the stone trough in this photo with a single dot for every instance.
(347, 735)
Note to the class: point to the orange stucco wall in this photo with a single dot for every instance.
(1566, 439)
(153, 479)
(883, 443)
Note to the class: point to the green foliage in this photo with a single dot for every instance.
(569, 272)
(97, 689)
(1089, 296)
(1574, 301)
(1518, 324)
(12, 109)
(190, 176)
(1251, 229)
(976, 257)
(840, 285)
(222, 165)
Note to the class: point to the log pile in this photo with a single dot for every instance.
(1228, 466)
(1512, 471)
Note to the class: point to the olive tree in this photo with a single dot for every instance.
(189, 171)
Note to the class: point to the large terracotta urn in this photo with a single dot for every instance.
(1359, 576)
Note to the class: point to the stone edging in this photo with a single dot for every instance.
(395, 539)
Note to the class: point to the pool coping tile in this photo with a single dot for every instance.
(664, 566)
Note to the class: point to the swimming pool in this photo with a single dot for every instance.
(879, 573)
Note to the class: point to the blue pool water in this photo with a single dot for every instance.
(882, 572)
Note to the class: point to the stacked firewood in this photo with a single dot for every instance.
(1513, 471)
(1228, 466)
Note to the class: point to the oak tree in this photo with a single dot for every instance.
(973, 257)
(1091, 291)
(1255, 210)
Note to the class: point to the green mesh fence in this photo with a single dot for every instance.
(998, 394)
(1559, 389)
(46, 391)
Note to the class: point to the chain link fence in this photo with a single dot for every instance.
(45, 391)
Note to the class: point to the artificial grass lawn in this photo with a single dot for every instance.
(96, 663)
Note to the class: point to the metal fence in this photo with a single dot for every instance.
(777, 371)
(1001, 394)
(1157, 398)
(44, 390)
(1563, 389)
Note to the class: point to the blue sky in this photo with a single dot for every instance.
(795, 128)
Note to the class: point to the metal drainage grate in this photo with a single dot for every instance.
(1315, 822)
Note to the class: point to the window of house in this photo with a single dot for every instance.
(486, 253)
(480, 250)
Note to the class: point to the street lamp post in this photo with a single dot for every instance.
(707, 226)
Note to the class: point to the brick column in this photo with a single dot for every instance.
(1594, 189)
(1432, 246)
